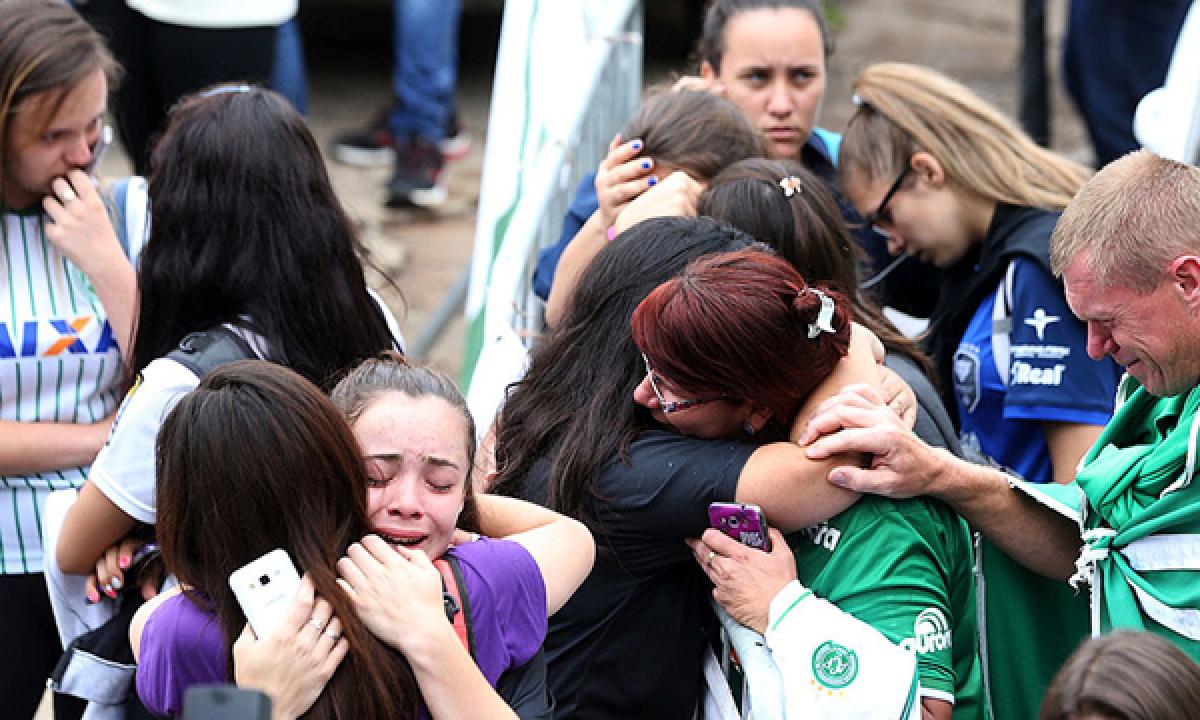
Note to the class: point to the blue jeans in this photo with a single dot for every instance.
(289, 75)
(426, 67)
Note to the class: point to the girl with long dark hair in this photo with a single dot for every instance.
(247, 233)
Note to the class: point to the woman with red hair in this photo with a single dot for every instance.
(745, 328)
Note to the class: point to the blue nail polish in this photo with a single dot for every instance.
(652, 182)
(637, 144)
(645, 164)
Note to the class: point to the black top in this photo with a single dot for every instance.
(630, 642)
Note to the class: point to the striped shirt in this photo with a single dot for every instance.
(59, 362)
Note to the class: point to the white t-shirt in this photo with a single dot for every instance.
(217, 13)
(124, 469)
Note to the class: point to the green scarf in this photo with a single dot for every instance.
(1143, 524)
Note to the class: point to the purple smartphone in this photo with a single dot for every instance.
(744, 523)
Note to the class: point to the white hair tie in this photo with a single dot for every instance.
(824, 321)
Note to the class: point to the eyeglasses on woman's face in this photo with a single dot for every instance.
(672, 406)
(882, 214)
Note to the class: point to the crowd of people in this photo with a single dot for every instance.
(715, 334)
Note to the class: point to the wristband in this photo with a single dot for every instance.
(611, 232)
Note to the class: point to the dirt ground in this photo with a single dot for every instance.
(348, 51)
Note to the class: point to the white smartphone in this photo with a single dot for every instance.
(264, 587)
(99, 149)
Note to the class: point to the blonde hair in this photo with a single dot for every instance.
(905, 109)
(1131, 220)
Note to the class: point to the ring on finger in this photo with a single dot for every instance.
(709, 560)
(330, 634)
(316, 624)
(67, 196)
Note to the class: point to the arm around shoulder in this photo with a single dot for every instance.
(589, 241)
(791, 487)
(563, 548)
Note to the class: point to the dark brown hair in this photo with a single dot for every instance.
(45, 48)
(739, 324)
(254, 459)
(248, 231)
(717, 15)
(389, 372)
(574, 407)
(806, 228)
(697, 132)
(1125, 676)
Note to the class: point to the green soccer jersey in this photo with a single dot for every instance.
(904, 567)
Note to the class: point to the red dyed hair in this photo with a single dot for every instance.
(737, 324)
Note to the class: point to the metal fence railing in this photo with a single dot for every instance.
(550, 124)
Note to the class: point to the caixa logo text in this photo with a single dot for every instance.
(54, 337)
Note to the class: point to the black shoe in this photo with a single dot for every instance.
(417, 179)
(368, 147)
(372, 145)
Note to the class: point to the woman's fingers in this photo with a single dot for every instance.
(333, 631)
(338, 653)
(378, 548)
(92, 590)
(722, 543)
(619, 154)
(301, 608)
(351, 575)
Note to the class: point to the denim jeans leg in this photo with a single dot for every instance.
(426, 66)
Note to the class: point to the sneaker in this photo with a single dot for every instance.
(368, 147)
(372, 145)
(457, 142)
(417, 179)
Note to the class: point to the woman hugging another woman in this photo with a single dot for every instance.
(257, 458)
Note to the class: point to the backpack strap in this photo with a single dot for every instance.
(458, 606)
(1002, 323)
(128, 205)
(201, 352)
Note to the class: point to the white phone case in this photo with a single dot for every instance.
(264, 587)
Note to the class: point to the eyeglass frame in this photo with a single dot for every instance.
(673, 406)
(872, 220)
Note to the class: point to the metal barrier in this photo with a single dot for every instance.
(568, 75)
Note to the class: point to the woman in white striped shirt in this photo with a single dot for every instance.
(65, 309)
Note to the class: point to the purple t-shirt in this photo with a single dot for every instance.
(182, 644)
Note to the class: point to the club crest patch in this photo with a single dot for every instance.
(835, 666)
(966, 378)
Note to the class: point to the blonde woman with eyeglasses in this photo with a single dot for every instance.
(955, 183)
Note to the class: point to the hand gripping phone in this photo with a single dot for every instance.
(744, 523)
(264, 587)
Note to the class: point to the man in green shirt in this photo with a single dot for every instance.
(1128, 249)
